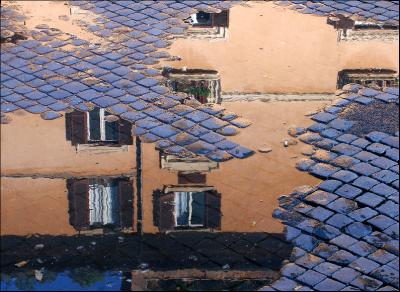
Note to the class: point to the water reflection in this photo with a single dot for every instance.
(99, 203)
(77, 231)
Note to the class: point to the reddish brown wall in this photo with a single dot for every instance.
(271, 49)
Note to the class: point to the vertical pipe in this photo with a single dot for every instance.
(139, 185)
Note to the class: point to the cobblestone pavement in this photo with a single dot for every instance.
(345, 232)
(50, 72)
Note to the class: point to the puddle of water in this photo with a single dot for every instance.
(182, 224)
(82, 279)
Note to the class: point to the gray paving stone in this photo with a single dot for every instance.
(339, 220)
(311, 278)
(381, 222)
(394, 264)
(304, 164)
(362, 214)
(347, 138)
(303, 208)
(292, 271)
(329, 285)
(387, 288)
(365, 182)
(362, 248)
(392, 141)
(392, 154)
(343, 205)
(344, 241)
(326, 143)
(364, 265)
(323, 170)
(323, 155)
(342, 257)
(326, 268)
(383, 190)
(386, 176)
(345, 161)
(360, 142)
(321, 197)
(324, 117)
(330, 185)
(376, 136)
(366, 283)
(306, 242)
(320, 213)
(310, 138)
(296, 253)
(365, 156)
(308, 225)
(383, 163)
(358, 229)
(346, 149)
(291, 233)
(341, 124)
(350, 288)
(330, 133)
(309, 261)
(325, 250)
(382, 256)
(395, 169)
(326, 231)
(364, 168)
(377, 239)
(370, 199)
(284, 284)
(348, 191)
(387, 274)
(395, 198)
(345, 176)
(346, 275)
(389, 208)
(377, 148)
(393, 230)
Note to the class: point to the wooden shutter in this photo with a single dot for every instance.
(125, 202)
(125, 133)
(213, 210)
(221, 19)
(163, 210)
(78, 201)
(76, 127)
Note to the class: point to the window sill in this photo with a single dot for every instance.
(101, 148)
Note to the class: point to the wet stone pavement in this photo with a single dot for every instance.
(345, 231)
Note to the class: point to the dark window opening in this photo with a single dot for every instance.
(203, 85)
(187, 208)
(95, 128)
(366, 26)
(100, 203)
(368, 77)
(205, 19)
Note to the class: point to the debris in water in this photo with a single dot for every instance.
(264, 149)
(39, 275)
(111, 118)
(143, 266)
(296, 131)
(39, 246)
(226, 267)
(21, 264)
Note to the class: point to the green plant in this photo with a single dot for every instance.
(198, 91)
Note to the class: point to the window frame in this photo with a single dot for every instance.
(102, 129)
(190, 212)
